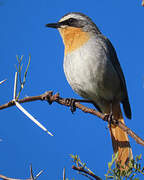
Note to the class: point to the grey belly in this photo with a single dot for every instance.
(92, 76)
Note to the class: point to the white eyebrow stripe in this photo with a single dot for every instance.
(75, 16)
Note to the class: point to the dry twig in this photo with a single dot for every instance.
(2, 81)
(32, 177)
(81, 169)
(64, 174)
(48, 96)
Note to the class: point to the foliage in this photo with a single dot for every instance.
(118, 173)
(78, 162)
(82, 168)
(115, 172)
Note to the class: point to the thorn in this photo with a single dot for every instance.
(64, 174)
(49, 133)
(15, 86)
(31, 172)
(31, 117)
(3, 81)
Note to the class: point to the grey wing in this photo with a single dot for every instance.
(111, 53)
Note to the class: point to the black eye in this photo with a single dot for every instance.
(71, 21)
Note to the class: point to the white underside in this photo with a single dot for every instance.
(91, 74)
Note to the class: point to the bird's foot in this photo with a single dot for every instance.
(109, 118)
(71, 103)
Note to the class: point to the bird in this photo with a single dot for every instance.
(92, 69)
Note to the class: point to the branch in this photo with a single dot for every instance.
(2, 81)
(31, 175)
(50, 98)
(64, 174)
(6, 178)
(81, 169)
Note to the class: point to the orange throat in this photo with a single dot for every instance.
(73, 38)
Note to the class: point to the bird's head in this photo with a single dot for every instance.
(75, 29)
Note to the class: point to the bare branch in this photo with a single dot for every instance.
(7, 178)
(32, 118)
(64, 174)
(50, 98)
(31, 175)
(39, 174)
(2, 81)
(19, 70)
(81, 169)
(15, 85)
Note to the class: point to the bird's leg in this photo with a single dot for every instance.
(109, 117)
(111, 113)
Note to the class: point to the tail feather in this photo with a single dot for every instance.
(120, 139)
(126, 107)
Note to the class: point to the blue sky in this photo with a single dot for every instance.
(23, 32)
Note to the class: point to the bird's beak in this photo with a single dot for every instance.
(53, 25)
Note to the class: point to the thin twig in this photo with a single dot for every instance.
(81, 169)
(64, 174)
(2, 81)
(31, 175)
(48, 96)
(19, 69)
(15, 85)
(39, 174)
(87, 176)
(24, 110)
(7, 178)
(32, 118)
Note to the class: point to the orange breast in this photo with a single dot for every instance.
(73, 38)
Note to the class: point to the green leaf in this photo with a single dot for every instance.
(109, 165)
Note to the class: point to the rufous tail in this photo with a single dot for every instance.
(120, 140)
